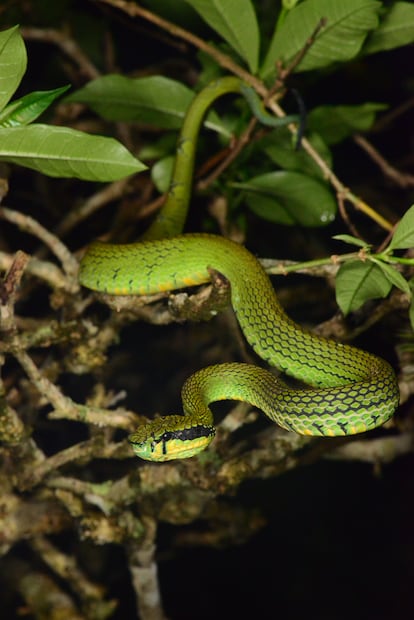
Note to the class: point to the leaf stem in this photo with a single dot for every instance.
(333, 260)
(389, 258)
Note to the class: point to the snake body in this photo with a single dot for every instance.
(348, 390)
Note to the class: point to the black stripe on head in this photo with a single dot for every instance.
(186, 434)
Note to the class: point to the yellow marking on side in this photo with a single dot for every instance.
(121, 291)
(165, 286)
(307, 431)
(175, 449)
(175, 446)
(192, 281)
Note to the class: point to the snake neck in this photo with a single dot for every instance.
(170, 220)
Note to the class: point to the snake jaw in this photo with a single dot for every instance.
(158, 441)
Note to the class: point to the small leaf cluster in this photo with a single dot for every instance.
(55, 151)
(287, 187)
(373, 277)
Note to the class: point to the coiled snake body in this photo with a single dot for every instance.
(351, 391)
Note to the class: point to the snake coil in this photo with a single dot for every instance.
(348, 390)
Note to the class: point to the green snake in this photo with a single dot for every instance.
(348, 390)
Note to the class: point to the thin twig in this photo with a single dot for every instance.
(109, 193)
(67, 568)
(48, 272)
(65, 407)
(402, 179)
(30, 225)
(284, 72)
(233, 153)
(66, 44)
(344, 215)
(144, 573)
(227, 62)
(133, 10)
(389, 117)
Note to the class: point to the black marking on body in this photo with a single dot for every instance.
(319, 427)
(184, 434)
(115, 272)
(340, 409)
(374, 419)
(288, 425)
(342, 426)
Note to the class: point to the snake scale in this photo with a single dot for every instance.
(347, 390)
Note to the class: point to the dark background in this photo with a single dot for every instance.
(337, 538)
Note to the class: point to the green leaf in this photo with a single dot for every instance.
(393, 276)
(334, 123)
(161, 173)
(158, 148)
(411, 313)
(395, 30)
(404, 233)
(13, 60)
(235, 21)
(351, 240)
(358, 282)
(278, 146)
(289, 4)
(154, 100)
(348, 23)
(289, 198)
(63, 152)
(27, 109)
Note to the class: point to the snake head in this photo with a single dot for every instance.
(170, 437)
